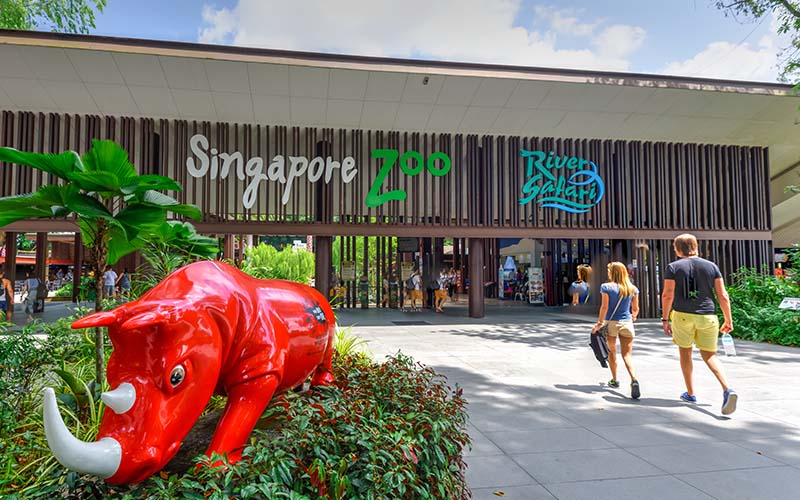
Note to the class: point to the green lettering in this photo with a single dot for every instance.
(374, 199)
(444, 158)
(408, 155)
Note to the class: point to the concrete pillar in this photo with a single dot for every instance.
(322, 261)
(41, 270)
(476, 299)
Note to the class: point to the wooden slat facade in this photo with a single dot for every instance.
(653, 189)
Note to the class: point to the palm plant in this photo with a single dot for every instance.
(112, 204)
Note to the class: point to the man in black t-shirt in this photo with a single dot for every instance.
(690, 285)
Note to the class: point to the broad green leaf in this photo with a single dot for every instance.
(108, 156)
(9, 216)
(136, 217)
(59, 165)
(88, 229)
(162, 200)
(17, 202)
(119, 245)
(147, 182)
(86, 206)
(99, 181)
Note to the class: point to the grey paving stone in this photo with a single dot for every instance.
(515, 442)
(774, 483)
(500, 419)
(638, 488)
(481, 445)
(703, 457)
(534, 492)
(783, 449)
(650, 434)
(559, 467)
(495, 471)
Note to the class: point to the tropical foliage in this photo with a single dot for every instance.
(114, 207)
(755, 297)
(266, 262)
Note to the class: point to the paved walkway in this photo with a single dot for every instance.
(545, 426)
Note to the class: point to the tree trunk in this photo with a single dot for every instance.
(99, 254)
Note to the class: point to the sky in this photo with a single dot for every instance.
(675, 37)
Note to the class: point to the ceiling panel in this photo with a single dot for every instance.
(70, 96)
(511, 121)
(542, 123)
(95, 66)
(348, 84)
(112, 99)
(387, 87)
(580, 97)
(688, 103)
(740, 106)
(458, 90)
(344, 113)
(309, 82)
(272, 110)
(417, 91)
(378, 115)
(629, 100)
(658, 102)
(49, 64)
(445, 118)
(228, 76)
(233, 106)
(590, 124)
(154, 101)
(5, 101)
(494, 92)
(140, 69)
(25, 93)
(13, 63)
(185, 73)
(268, 79)
(636, 126)
(194, 102)
(479, 119)
(308, 111)
(528, 94)
(411, 116)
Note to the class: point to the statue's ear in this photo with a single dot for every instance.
(102, 318)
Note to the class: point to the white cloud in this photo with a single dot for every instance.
(462, 30)
(564, 21)
(731, 61)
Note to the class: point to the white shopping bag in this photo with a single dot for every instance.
(727, 344)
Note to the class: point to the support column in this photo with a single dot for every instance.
(476, 300)
(322, 264)
(227, 249)
(77, 267)
(41, 270)
(11, 256)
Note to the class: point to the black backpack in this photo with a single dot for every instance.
(410, 282)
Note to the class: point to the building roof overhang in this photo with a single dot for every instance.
(49, 72)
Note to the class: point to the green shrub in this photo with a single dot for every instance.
(385, 431)
(266, 262)
(755, 297)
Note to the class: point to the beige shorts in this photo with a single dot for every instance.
(621, 329)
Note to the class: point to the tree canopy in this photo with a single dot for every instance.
(66, 16)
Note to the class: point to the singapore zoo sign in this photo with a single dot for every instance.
(576, 191)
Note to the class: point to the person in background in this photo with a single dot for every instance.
(124, 283)
(6, 296)
(60, 274)
(689, 314)
(385, 288)
(579, 290)
(31, 288)
(68, 276)
(440, 292)
(416, 291)
(109, 282)
(619, 309)
(451, 285)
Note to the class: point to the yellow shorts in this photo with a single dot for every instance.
(440, 294)
(700, 329)
(416, 295)
(621, 329)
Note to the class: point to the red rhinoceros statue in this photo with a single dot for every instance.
(206, 328)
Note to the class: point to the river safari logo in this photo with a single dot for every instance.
(565, 183)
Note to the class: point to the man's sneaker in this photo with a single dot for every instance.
(613, 383)
(635, 393)
(729, 398)
(689, 399)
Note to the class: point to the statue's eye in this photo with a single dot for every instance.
(177, 376)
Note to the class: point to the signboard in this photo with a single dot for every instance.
(790, 303)
(207, 161)
(565, 183)
(406, 268)
(407, 244)
(535, 285)
(348, 270)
